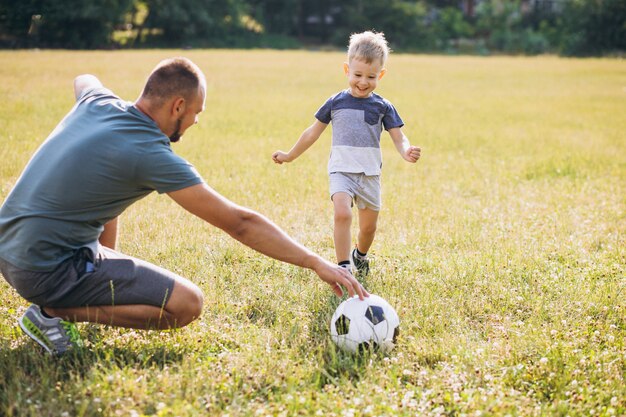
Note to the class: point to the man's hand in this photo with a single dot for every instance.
(279, 157)
(412, 154)
(336, 277)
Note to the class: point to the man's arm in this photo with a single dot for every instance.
(83, 82)
(259, 233)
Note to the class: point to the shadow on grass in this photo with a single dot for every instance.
(30, 358)
(32, 381)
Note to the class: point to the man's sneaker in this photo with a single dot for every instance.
(362, 265)
(53, 334)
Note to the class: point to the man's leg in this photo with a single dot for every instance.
(115, 289)
(183, 306)
(55, 331)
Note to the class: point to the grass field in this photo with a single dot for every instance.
(503, 249)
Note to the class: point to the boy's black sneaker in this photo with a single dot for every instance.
(347, 265)
(362, 265)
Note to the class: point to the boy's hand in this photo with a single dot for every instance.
(412, 154)
(279, 157)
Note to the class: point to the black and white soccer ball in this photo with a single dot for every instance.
(361, 325)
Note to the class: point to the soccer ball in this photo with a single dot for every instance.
(359, 325)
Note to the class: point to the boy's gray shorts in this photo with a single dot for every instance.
(109, 278)
(364, 189)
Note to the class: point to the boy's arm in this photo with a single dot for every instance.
(308, 138)
(408, 152)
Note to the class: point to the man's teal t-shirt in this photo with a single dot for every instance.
(103, 156)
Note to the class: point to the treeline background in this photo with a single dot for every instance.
(565, 27)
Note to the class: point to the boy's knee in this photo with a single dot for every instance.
(369, 229)
(342, 216)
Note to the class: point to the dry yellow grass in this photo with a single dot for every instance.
(502, 249)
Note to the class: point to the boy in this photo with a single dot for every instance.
(358, 116)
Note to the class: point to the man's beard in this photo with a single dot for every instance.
(175, 137)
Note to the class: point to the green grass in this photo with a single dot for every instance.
(503, 249)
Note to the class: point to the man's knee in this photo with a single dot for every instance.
(195, 301)
(186, 303)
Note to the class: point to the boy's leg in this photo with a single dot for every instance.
(367, 230)
(342, 203)
(368, 220)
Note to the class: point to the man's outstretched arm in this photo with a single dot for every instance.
(259, 233)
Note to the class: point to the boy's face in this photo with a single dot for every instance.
(363, 77)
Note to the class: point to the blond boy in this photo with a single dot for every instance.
(358, 116)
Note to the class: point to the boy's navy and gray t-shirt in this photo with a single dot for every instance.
(357, 125)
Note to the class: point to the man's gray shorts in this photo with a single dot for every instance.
(364, 189)
(108, 278)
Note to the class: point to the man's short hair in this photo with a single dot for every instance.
(173, 77)
(368, 46)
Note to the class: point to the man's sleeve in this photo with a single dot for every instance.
(164, 171)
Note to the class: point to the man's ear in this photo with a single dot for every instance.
(178, 106)
(382, 72)
(346, 68)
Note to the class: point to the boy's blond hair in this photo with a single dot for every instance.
(368, 46)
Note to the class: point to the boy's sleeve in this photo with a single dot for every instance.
(323, 114)
(392, 119)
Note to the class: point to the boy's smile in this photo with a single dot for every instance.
(363, 77)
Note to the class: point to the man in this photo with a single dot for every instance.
(58, 226)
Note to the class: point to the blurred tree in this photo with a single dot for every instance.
(62, 23)
(442, 4)
(206, 22)
(593, 27)
(282, 17)
(501, 24)
(451, 26)
(574, 27)
(15, 21)
(403, 22)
